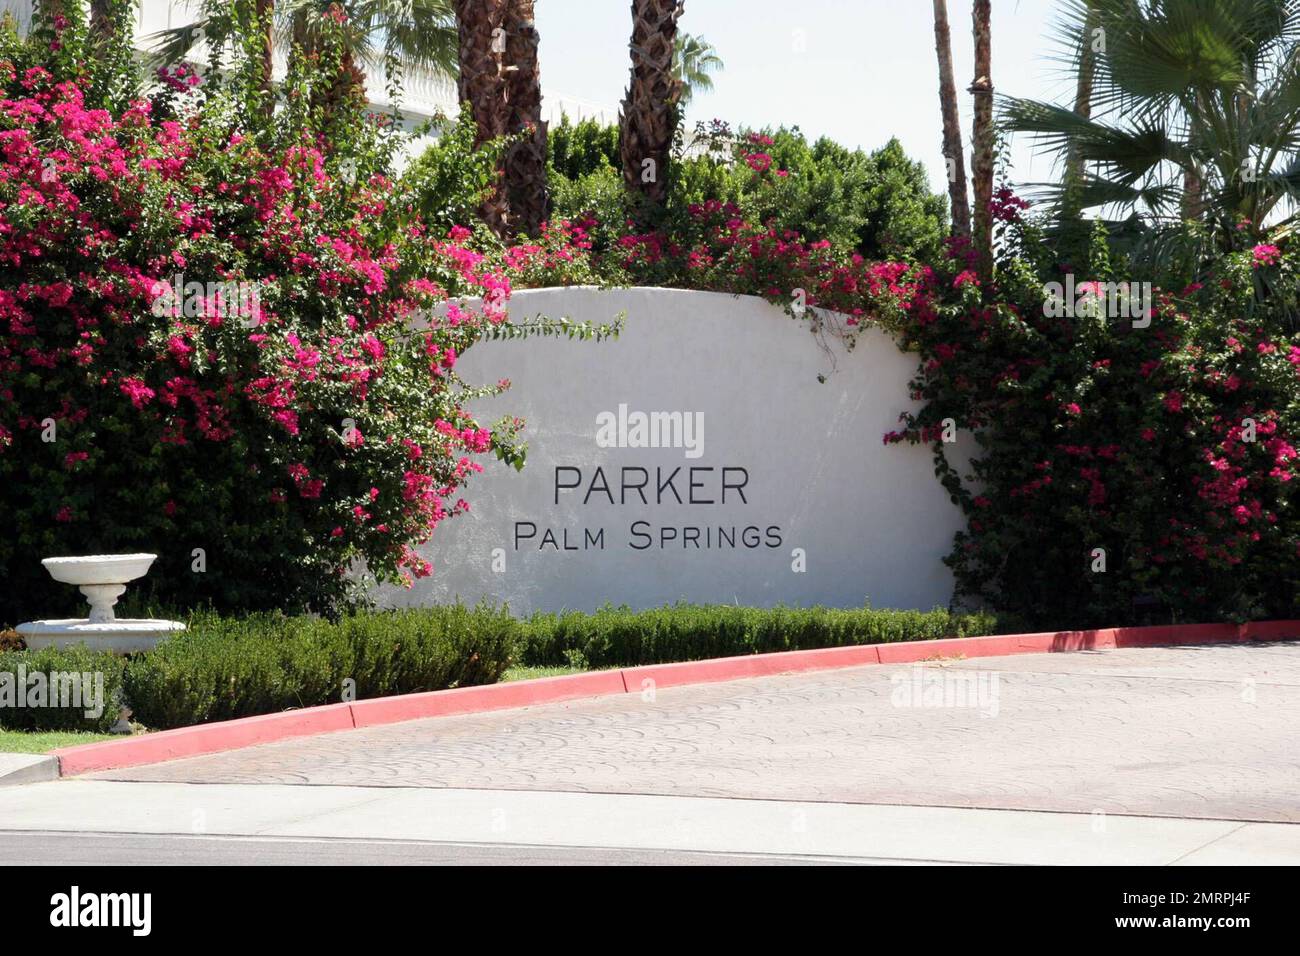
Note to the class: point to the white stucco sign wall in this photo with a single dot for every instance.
(695, 458)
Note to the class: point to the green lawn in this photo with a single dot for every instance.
(38, 742)
(521, 672)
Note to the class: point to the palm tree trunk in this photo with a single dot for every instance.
(101, 25)
(1074, 164)
(482, 85)
(982, 161)
(1193, 207)
(952, 146)
(525, 164)
(99, 32)
(265, 24)
(348, 83)
(649, 114)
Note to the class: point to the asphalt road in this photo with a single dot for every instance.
(137, 849)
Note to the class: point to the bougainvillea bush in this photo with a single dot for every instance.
(1128, 469)
(721, 246)
(204, 348)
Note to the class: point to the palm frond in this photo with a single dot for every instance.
(171, 46)
(1096, 192)
(420, 32)
(1167, 252)
(1128, 154)
(694, 58)
(1208, 90)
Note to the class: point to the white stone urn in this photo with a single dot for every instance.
(102, 578)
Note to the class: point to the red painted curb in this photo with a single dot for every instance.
(202, 739)
(641, 678)
(247, 731)
(470, 700)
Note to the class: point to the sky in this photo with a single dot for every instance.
(858, 71)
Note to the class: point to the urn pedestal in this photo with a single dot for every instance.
(102, 579)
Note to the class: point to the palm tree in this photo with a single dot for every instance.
(420, 33)
(648, 118)
(983, 139)
(525, 163)
(264, 14)
(1193, 112)
(694, 58)
(952, 146)
(1086, 55)
(482, 84)
(306, 29)
(108, 45)
(101, 22)
(416, 33)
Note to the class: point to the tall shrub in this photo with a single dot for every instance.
(1129, 468)
(204, 345)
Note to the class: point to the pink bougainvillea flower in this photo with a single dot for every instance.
(1266, 254)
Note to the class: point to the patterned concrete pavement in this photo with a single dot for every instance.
(1208, 732)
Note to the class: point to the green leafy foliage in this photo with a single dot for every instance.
(877, 204)
(1191, 114)
(619, 636)
(37, 689)
(222, 668)
(228, 667)
(575, 150)
(452, 176)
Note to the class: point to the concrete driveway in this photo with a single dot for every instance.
(1197, 732)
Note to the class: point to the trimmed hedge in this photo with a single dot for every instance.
(102, 690)
(615, 637)
(222, 668)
